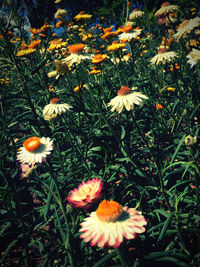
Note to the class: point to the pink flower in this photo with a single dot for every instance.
(111, 223)
(26, 169)
(86, 194)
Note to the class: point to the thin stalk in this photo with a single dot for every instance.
(60, 202)
(123, 257)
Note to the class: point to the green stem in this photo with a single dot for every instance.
(123, 257)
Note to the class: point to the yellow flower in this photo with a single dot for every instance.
(94, 70)
(56, 44)
(78, 87)
(99, 58)
(170, 89)
(115, 46)
(25, 52)
(60, 13)
(82, 16)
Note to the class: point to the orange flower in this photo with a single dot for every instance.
(127, 28)
(108, 29)
(59, 24)
(34, 43)
(94, 71)
(75, 48)
(56, 44)
(78, 87)
(115, 46)
(25, 52)
(99, 58)
(159, 106)
(177, 67)
(108, 35)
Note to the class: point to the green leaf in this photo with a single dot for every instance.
(104, 259)
(167, 222)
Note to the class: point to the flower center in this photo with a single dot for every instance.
(76, 48)
(185, 22)
(162, 50)
(135, 10)
(32, 143)
(124, 90)
(127, 28)
(165, 4)
(109, 211)
(54, 100)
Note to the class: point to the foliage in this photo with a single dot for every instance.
(143, 155)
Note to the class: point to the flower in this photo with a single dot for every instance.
(78, 54)
(78, 87)
(86, 194)
(99, 58)
(170, 89)
(136, 14)
(82, 16)
(127, 97)
(159, 106)
(193, 57)
(108, 35)
(111, 223)
(60, 13)
(128, 36)
(56, 44)
(186, 27)
(25, 52)
(26, 169)
(163, 56)
(115, 46)
(94, 70)
(35, 150)
(55, 107)
(166, 8)
(190, 140)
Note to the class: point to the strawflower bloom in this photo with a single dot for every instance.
(56, 44)
(193, 57)
(77, 54)
(108, 35)
(94, 70)
(35, 150)
(55, 107)
(165, 9)
(86, 194)
(129, 35)
(186, 27)
(115, 46)
(111, 223)
(26, 169)
(78, 87)
(82, 16)
(99, 58)
(163, 56)
(126, 97)
(159, 106)
(60, 13)
(136, 14)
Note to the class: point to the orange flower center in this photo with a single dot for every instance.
(185, 22)
(136, 9)
(32, 143)
(127, 28)
(109, 211)
(54, 100)
(162, 50)
(165, 4)
(76, 48)
(124, 90)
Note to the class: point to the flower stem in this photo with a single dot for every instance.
(123, 257)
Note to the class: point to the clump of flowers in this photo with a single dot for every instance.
(87, 193)
(111, 223)
(35, 150)
(126, 98)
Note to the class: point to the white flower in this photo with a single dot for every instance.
(126, 97)
(165, 9)
(55, 108)
(163, 56)
(186, 27)
(35, 150)
(136, 14)
(60, 13)
(76, 58)
(193, 57)
(130, 35)
(111, 223)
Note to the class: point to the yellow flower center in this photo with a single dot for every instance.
(124, 90)
(32, 143)
(109, 211)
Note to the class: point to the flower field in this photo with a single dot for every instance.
(100, 138)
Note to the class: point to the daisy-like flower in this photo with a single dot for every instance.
(35, 150)
(55, 107)
(94, 70)
(193, 57)
(56, 44)
(25, 52)
(115, 46)
(186, 27)
(99, 58)
(126, 97)
(60, 13)
(165, 9)
(78, 54)
(61, 68)
(136, 14)
(86, 194)
(111, 223)
(82, 16)
(129, 34)
(163, 56)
